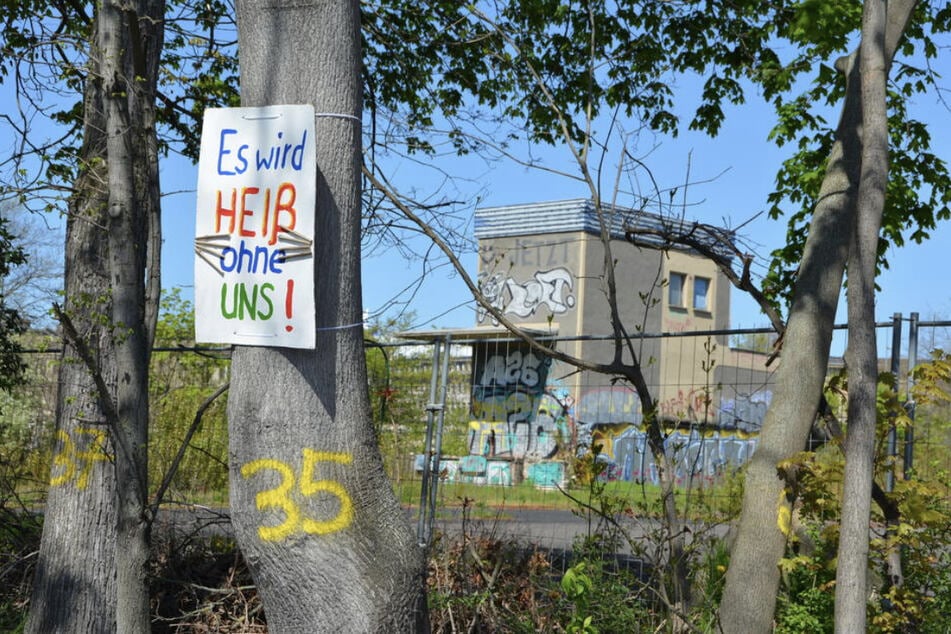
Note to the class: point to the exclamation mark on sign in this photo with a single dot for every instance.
(289, 304)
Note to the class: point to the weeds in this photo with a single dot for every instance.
(201, 584)
(20, 530)
(19, 544)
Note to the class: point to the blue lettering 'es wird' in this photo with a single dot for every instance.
(233, 156)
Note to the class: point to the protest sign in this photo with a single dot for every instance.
(254, 258)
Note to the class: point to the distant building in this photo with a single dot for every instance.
(542, 265)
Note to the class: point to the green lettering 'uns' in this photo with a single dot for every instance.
(252, 301)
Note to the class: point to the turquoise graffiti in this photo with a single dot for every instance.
(513, 413)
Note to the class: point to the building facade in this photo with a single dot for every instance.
(543, 266)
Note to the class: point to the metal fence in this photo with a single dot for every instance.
(502, 424)
(501, 415)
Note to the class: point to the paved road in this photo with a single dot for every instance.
(545, 528)
(542, 527)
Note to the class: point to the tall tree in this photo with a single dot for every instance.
(862, 354)
(74, 585)
(92, 573)
(90, 74)
(749, 597)
(328, 545)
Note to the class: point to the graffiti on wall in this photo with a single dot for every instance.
(513, 414)
(520, 414)
(609, 405)
(603, 412)
(745, 411)
(551, 289)
(611, 419)
(691, 404)
(695, 455)
(545, 474)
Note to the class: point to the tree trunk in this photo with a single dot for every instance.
(861, 355)
(677, 598)
(74, 586)
(92, 572)
(328, 545)
(130, 40)
(752, 580)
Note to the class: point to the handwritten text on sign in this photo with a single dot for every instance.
(254, 264)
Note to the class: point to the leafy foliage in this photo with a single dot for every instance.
(445, 76)
(43, 53)
(183, 375)
(26, 424)
(919, 535)
(11, 362)
(199, 69)
(482, 79)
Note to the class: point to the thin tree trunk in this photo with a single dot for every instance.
(752, 580)
(861, 356)
(130, 40)
(304, 454)
(130, 429)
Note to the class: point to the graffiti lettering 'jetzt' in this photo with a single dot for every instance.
(546, 289)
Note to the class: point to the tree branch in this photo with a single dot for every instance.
(108, 405)
(179, 456)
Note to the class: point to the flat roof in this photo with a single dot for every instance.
(581, 214)
(481, 333)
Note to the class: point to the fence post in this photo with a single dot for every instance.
(896, 372)
(432, 452)
(425, 521)
(910, 398)
(439, 407)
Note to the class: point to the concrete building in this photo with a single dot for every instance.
(542, 265)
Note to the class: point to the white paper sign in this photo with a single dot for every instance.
(254, 257)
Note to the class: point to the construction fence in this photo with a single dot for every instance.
(499, 413)
(483, 410)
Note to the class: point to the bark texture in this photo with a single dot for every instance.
(302, 446)
(74, 585)
(752, 581)
(92, 572)
(861, 355)
(130, 38)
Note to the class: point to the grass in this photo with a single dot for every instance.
(711, 503)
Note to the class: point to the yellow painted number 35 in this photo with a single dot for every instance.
(280, 497)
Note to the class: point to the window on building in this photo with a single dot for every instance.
(675, 289)
(701, 293)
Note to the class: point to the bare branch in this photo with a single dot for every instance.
(180, 455)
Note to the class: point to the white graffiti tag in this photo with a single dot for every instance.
(551, 289)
